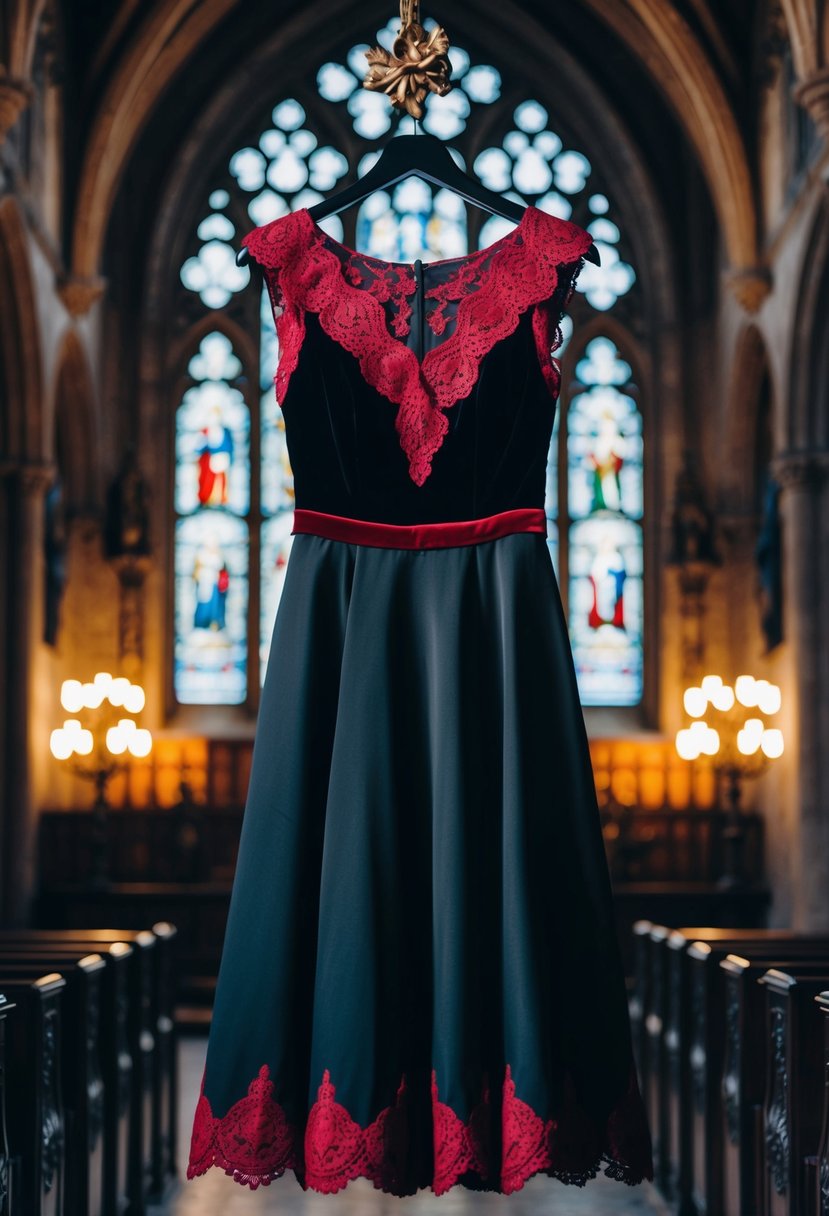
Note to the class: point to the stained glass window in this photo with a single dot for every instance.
(604, 514)
(233, 531)
(212, 500)
(412, 222)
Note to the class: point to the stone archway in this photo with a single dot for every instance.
(24, 477)
(655, 34)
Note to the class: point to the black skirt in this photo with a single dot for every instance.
(421, 981)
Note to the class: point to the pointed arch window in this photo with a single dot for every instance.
(245, 541)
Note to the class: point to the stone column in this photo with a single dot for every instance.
(26, 488)
(802, 477)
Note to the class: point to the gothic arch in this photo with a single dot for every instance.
(679, 65)
(175, 356)
(610, 326)
(595, 124)
(655, 34)
(22, 437)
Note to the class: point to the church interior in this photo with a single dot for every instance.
(146, 497)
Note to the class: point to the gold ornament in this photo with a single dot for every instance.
(418, 63)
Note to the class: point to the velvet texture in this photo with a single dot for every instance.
(420, 536)
(345, 453)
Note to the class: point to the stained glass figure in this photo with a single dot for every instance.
(605, 493)
(211, 593)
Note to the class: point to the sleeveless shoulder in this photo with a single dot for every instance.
(278, 243)
(564, 246)
(565, 240)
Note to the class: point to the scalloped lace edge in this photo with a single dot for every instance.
(254, 1143)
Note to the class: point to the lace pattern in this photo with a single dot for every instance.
(255, 1143)
(491, 289)
(390, 284)
(546, 323)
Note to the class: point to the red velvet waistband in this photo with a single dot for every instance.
(420, 536)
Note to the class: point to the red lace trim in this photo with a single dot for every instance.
(516, 273)
(254, 1142)
(546, 323)
(453, 291)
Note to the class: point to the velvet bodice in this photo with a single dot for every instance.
(418, 393)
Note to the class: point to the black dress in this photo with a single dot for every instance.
(421, 981)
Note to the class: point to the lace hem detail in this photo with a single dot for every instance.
(493, 289)
(255, 1143)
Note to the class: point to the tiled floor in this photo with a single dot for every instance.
(214, 1194)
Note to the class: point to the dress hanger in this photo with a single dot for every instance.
(426, 157)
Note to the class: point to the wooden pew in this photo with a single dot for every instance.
(794, 1087)
(706, 1047)
(822, 1162)
(165, 1087)
(6, 1008)
(56, 945)
(158, 986)
(82, 1084)
(639, 998)
(743, 1082)
(671, 1088)
(36, 1125)
(655, 1017)
(115, 1052)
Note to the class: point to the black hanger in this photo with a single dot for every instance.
(422, 156)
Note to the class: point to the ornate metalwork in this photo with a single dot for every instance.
(94, 1079)
(51, 1128)
(125, 1080)
(698, 1054)
(731, 1067)
(777, 1112)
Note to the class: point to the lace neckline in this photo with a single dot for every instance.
(493, 287)
(461, 258)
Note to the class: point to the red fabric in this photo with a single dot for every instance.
(254, 1142)
(493, 287)
(419, 536)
